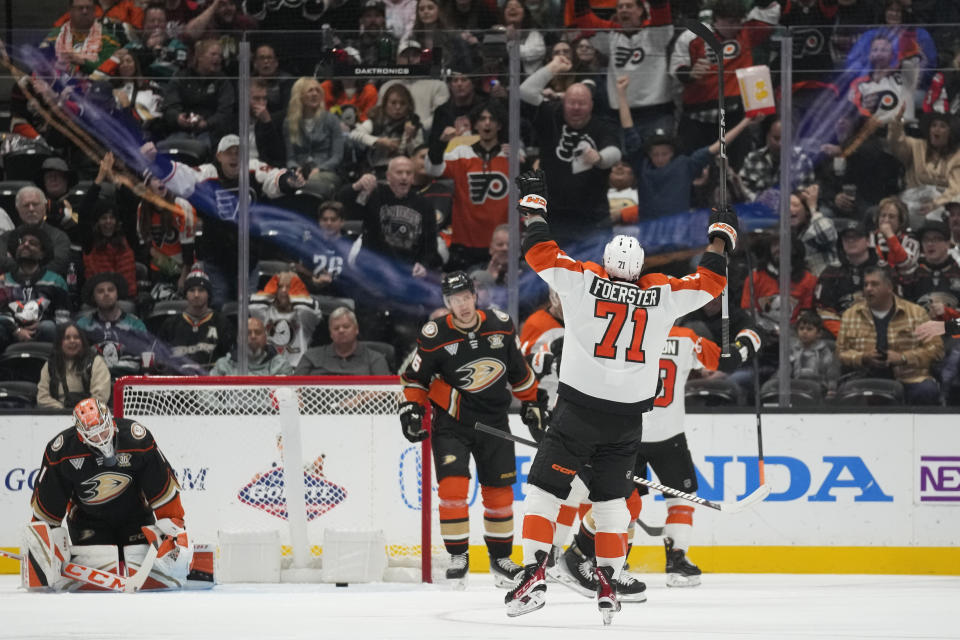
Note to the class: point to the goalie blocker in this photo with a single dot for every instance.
(117, 493)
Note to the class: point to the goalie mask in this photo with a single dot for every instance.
(96, 428)
(623, 258)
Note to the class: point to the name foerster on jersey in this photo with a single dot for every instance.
(624, 292)
(625, 55)
(487, 184)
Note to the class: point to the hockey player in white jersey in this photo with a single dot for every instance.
(664, 448)
(616, 327)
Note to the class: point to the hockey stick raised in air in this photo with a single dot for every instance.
(82, 573)
(726, 507)
(711, 40)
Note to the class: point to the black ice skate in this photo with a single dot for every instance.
(576, 571)
(680, 571)
(505, 572)
(606, 593)
(530, 592)
(629, 589)
(457, 571)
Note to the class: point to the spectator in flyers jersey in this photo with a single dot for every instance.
(638, 50)
(480, 177)
(693, 64)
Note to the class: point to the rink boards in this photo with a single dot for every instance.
(851, 493)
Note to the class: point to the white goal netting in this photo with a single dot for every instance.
(231, 439)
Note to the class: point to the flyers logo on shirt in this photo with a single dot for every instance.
(483, 185)
(570, 141)
(624, 56)
(480, 374)
(104, 487)
(731, 49)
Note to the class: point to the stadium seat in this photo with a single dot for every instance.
(871, 392)
(385, 348)
(161, 311)
(8, 197)
(230, 310)
(186, 151)
(77, 192)
(18, 394)
(266, 269)
(329, 303)
(23, 164)
(803, 393)
(24, 360)
(713, 392)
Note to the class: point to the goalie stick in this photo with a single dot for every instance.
(756, 496)
(82, 573)
(136, 582)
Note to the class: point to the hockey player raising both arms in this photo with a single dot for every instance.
(616, 327)
(118, 494)
(461, 367)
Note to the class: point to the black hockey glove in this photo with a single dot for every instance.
(536, 415)
(533, 193)
(724, 224)
(411, 420)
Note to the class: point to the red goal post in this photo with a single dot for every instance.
(231, 437)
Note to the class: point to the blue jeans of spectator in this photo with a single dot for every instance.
(924, 393)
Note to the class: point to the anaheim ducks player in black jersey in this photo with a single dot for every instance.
(118, 493)
(462, 366)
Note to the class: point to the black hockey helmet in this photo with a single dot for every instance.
(455, 282)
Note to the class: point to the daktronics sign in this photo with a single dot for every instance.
(940, 479)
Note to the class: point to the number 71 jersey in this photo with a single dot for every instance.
(614, 330)
(683, 352)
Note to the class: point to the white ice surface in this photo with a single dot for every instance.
(725, 606)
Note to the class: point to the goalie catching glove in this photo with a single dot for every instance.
(411, 420)
(168, 536)
(723, 224)
(533, 193)
(536, 415)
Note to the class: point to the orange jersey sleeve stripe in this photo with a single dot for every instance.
(708, 352)
(547, 255)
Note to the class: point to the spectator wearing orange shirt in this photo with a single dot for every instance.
(766, 284)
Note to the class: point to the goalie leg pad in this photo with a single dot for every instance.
(169, 570)
(103, 557)
(48, 549)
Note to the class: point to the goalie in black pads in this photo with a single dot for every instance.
(108, 479)
(462, 366)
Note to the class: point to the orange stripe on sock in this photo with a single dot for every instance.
(537, 528)
(582, 510)
(680, 515)
(567, 515)
(452, 492)
(611, 545)
(634, 504)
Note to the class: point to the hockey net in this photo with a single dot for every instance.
(231, 438)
